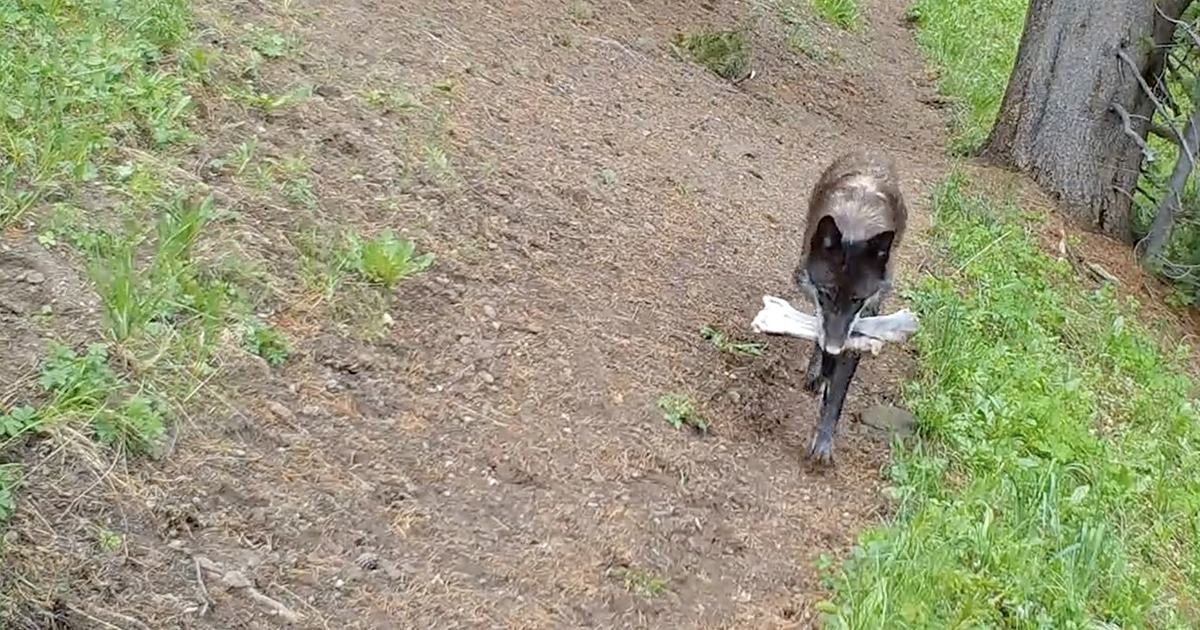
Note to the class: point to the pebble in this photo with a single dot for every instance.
(280, 410)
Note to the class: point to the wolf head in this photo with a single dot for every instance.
(843, 277)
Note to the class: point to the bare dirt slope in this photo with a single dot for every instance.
(489, 454)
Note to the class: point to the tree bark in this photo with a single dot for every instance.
(1056, 121)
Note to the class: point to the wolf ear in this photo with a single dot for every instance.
(881, 244)
(827, 237)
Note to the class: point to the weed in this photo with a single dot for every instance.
(724, 52)
(680, 411)
(261, 339)
(268, 102)
(400, 100)
(18, 421)
(1056, 485)
(723, 342)
(608, 177)
(85, 386)
(437, 163)
(168, 288)
(269, 43)
(972, 45)
(641, 581)
(294, 182)
(80, 77)
(842, 13)
(385, 259)
(107, 541)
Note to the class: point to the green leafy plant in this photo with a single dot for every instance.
(680, 411)
(387, 259)
(266, 341)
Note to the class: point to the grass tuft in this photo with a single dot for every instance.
(972, 45)
(844, 14)
(725, 52)
(1055, 486)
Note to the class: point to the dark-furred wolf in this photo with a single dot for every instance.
(856, 221)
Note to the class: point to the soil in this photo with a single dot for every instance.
(494, 457)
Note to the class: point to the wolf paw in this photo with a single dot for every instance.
(820, 450)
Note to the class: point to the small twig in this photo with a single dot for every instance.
(1127, 127)
(206, 599)
(1137, 74)
(129, 622)
(238, 581)
(1162, 131)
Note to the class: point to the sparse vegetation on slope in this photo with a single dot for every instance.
(1055, 486)
(88, 89)
(97, 103)
(972, 47)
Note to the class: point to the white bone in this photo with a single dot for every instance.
(868, 334)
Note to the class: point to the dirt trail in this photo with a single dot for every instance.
(496, 460)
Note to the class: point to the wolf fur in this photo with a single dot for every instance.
(856, 221)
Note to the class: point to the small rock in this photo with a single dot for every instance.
(486, 377)
(889, 418)
(34, 277)
(490, 311)
(368, 561)
(280, 411)
(328, 91)
(235, 579)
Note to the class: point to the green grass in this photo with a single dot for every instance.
(679, 410)
(80, 78)
(841, 13)
(92, 93)
(1055, 483)
(972, 45)
(725, 52)
(723, 342)
(95, 100)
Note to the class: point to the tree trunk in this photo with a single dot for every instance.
(1057, 122)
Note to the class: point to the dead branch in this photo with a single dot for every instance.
(130, 622)
(1171, 203)
(1161, 131)
(1137, 74)
(1127, 127)
(1082, 266)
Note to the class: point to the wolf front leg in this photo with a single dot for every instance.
(813, 378)
(837, 373)
(833, 376)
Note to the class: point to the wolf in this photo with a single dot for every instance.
(856, 222)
